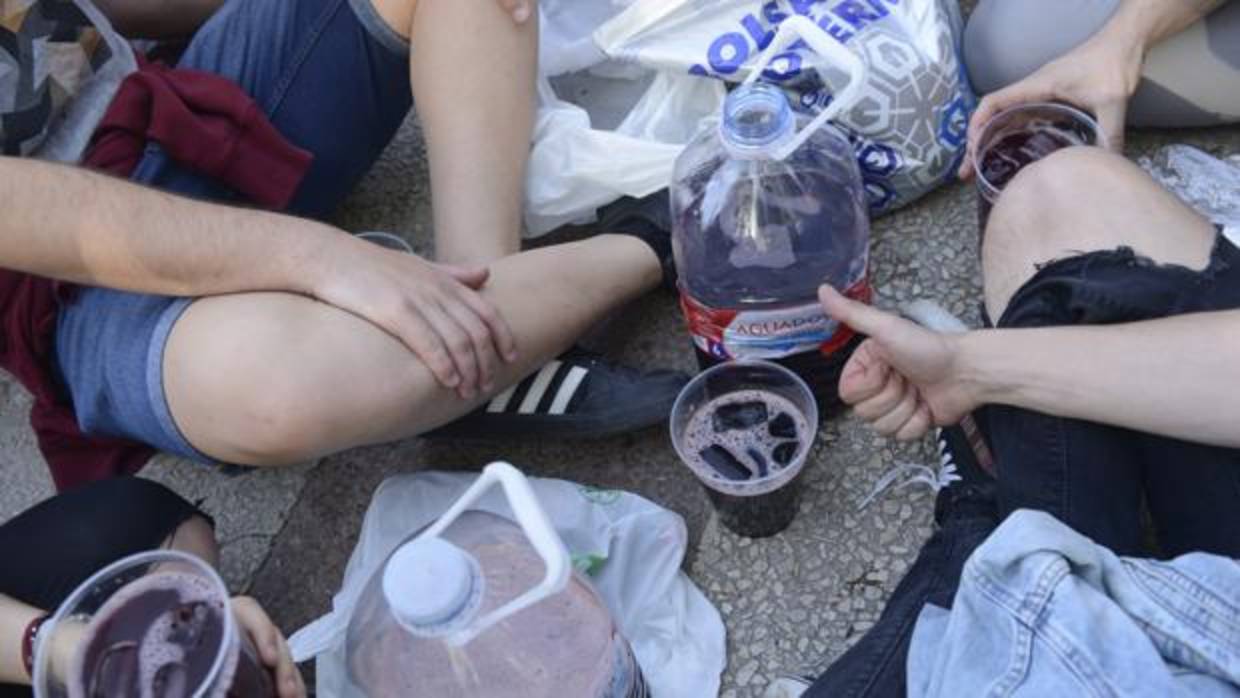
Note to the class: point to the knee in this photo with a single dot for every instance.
(1034, 214)
(1037, 218)
(196, 536)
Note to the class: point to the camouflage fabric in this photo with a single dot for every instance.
(51, 51)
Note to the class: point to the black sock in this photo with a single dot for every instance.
(660, 241)
(648, 220)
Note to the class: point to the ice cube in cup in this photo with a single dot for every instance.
(764, 503)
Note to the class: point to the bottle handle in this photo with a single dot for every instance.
(801, 28)
(538, 529)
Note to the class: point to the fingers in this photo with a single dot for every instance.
(421, 336)
(459, 345)
(289, 682)
(273, 650)
(897, 410)
(1111, 119)
(501, 334)
(475, 277)
(917, 425)
(894, 418)
(457, 333)
(885, 400)
(262, 632)
(967, 167)
(484, 349)
(1020, 93)
(864, 375)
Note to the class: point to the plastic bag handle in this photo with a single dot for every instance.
(797, 28)
(538, 529)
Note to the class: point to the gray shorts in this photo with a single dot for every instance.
(1191, 79)
(334, 79)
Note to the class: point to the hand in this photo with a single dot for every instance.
(519, 9)
(434, 309)
(1098, 76)
(273, 651)
(63, 646)
(904, 379)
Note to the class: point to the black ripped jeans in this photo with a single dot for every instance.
(1093, 477)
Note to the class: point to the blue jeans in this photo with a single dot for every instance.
(334, 79)
(1092, 477)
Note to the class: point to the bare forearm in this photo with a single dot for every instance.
(1176, 376)
(1144, 23)
(14, 617)
(71, 224)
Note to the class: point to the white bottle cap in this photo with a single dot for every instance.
(429, 582)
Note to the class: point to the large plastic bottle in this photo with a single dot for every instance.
(766, 208)
(476, 606)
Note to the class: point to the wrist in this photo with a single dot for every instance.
(977, 369)
(314, 258)
(1124, 46)
(30, 639)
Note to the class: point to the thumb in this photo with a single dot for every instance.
(990, 107)
(861, 317)
(473, 277)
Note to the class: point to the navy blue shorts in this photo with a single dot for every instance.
(333, 77)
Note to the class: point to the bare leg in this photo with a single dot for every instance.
(473, 72)
(270, 379)
(1083, 200)
(196, 537)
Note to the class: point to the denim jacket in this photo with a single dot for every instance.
(1043, 611)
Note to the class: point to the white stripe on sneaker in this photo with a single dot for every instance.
(568, 389)
(538, 388)
(500, 403)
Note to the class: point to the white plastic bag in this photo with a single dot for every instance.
(613, 116)
(1208, 184)
(631, 548)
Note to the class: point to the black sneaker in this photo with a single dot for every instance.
(648, 219)
(972, 491)
(577, 396)
(959, 448)
(963, 449)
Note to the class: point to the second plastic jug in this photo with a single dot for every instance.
(765, 210)
(477, 606)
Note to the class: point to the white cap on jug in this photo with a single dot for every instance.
(430, 582)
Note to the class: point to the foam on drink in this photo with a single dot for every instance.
(746, 439)
(173, 621)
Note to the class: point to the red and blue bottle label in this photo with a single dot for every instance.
(768, 334)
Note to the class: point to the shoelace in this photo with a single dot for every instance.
(933, 316)
(934, 478)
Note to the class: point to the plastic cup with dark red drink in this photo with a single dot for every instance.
(745, 429)
(1023, 134)
(157, 624)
